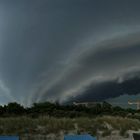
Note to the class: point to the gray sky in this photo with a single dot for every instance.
(67, 49)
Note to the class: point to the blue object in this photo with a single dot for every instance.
(79, 137)
(9, 137)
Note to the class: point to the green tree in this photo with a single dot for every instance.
(14, 108)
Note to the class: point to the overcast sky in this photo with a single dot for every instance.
(69, 50)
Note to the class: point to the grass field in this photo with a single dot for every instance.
(47, 125)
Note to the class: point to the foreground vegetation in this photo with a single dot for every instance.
(46, 118)
(47, 125)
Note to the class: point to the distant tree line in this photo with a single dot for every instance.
(59, 110)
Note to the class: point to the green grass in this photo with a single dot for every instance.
(46, 125)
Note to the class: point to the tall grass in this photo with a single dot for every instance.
(46, 125)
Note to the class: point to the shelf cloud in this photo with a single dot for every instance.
(68, 50)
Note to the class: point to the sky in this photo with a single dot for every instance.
(69, 50)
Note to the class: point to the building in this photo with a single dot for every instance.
(86, 104)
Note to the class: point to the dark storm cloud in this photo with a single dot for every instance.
(52, 49)
(108, 89)
(103, 62)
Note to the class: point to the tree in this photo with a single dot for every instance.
(14, 108)
(106, 107)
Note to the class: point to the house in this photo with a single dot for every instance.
(79, 137)
(9, 137)
(86, 104)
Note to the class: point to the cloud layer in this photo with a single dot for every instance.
(68, 50)
(105, 62)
